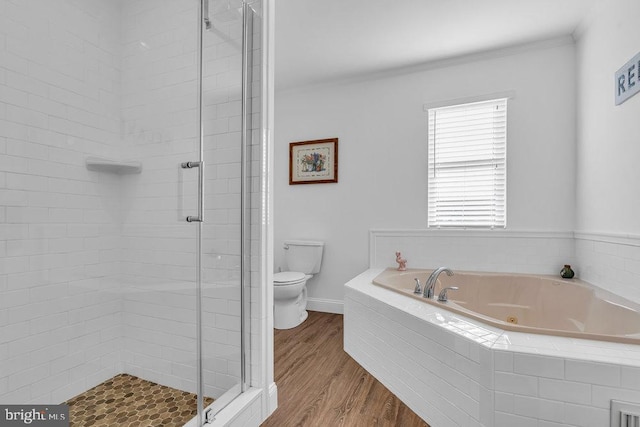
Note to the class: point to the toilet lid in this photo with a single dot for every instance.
(287, 277)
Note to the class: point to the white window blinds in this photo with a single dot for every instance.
(467, 165)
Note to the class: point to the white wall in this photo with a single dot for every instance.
(382, 157)
(608, 175)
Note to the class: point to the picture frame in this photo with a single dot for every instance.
(313, 162)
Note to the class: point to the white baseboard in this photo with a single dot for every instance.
(325, 305)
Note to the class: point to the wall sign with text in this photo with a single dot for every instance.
(628, 80)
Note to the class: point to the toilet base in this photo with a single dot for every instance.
(291, 312)
(289, 323)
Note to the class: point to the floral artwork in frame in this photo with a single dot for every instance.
(313, 162)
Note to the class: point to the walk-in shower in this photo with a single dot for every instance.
(129, 138)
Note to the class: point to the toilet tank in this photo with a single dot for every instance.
(303, 256)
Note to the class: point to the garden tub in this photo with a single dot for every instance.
(528, 303)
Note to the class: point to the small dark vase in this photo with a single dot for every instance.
(567, 272)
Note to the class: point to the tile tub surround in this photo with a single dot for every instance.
(455, 371)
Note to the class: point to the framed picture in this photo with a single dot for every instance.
(313, 162)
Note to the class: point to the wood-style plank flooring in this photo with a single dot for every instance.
(321, 385)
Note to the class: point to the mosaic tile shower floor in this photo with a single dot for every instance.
(129, 401)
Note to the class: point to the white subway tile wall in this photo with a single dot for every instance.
(160, 128)
(59, 103)
(611, 262)
(489, 250)
(99, 269)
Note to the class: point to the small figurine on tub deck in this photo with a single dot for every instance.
(402, 263)
(567, 272)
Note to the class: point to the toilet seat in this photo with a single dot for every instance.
(285, 278)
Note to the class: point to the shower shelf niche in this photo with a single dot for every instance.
(100, 164)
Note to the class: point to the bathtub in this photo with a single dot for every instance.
(454, 364)
(528, 303)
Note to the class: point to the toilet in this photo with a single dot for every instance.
(302, 260)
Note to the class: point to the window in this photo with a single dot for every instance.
(467, 165)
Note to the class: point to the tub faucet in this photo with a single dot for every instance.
(429, 287)
(443, 293)
(418, 288)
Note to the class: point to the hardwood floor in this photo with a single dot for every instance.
(321, 385)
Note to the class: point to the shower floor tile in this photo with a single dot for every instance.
(125, 400)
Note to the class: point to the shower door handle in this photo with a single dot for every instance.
(200, 166)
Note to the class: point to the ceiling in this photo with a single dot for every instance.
(324, 40)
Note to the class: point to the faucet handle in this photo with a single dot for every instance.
(418, 289)
(443, 293)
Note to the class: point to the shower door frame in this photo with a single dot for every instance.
(207, 415)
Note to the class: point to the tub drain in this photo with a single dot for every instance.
(512, 319)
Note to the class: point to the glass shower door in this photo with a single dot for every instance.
(227, 118)
(191, 120)
(159, 249)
